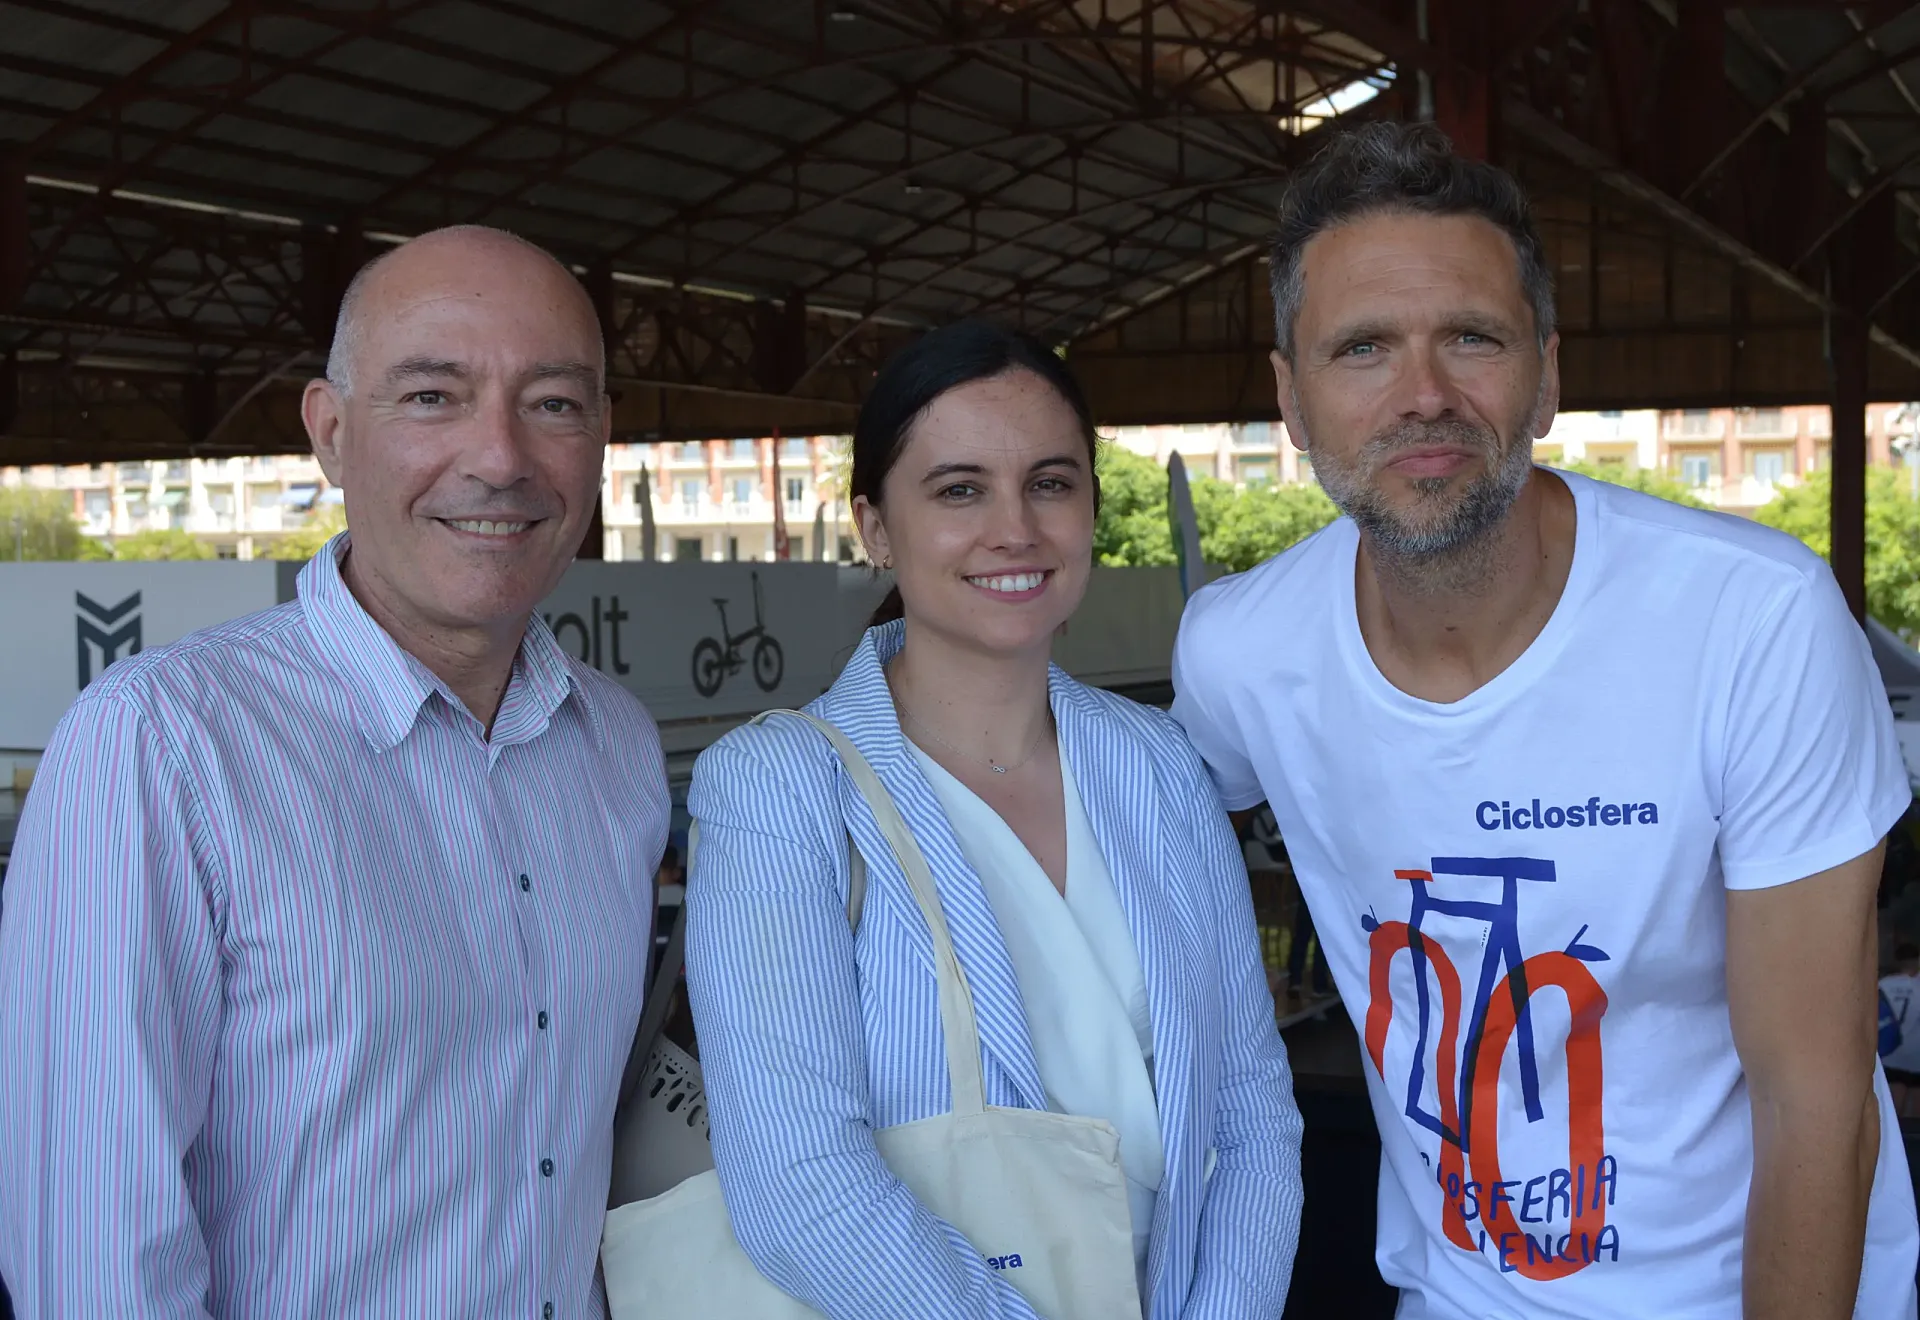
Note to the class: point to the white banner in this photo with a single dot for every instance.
(67, 622)
(693, 639)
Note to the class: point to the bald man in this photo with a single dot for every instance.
(326, 929)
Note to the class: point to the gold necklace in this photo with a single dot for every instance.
(990, 763)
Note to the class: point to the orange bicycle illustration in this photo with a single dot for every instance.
(1467, 1080)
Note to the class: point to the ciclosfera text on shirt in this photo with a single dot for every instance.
(1504, 815)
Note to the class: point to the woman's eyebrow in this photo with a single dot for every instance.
(942, 470)
(1056, 461)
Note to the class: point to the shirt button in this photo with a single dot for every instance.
(541, 1021)
(525, 884)
(546, 1168)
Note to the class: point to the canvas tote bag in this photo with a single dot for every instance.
(1040, 1195)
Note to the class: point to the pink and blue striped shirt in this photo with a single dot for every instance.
(314, 999)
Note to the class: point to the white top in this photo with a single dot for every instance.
(1700, 714)
(1080, 980)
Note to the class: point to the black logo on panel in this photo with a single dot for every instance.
(91, 624)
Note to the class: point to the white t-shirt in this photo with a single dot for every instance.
(1700, 713)
(1081, 983)
(1903, 993)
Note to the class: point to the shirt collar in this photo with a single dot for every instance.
(389, 686)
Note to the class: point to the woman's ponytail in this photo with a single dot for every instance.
(890, 609)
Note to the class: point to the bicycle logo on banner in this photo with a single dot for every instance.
(714, 658)
(1467, 1082)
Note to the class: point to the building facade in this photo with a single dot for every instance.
(714, 500)
(238, 505)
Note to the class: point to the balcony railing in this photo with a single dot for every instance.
(1764, 423)
(1694, 426)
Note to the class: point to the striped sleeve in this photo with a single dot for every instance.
(1250, 1221)
(774, 989)
(110, 1008)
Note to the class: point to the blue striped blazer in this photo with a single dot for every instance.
(812, 1035)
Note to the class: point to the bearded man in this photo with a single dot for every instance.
(1586, 791)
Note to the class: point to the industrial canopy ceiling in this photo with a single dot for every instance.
(765, 197)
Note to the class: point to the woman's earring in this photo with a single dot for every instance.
(886, 565)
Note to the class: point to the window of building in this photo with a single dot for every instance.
(742, 491)
(1256, 474)
(690, 452)
(796, 490)
(99, 504)
(135, 472)
(1769, 466)
(794, 447)
(226, 552)
(686, 549)
(1611, 414)
(639, 492)
(690, 495)
(1696, 469)
(740, 449)
(733, 549)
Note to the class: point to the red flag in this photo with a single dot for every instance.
(782, 545)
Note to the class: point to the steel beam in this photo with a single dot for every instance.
(1848, 502)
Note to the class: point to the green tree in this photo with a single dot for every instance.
(305, 542)
(1132, 528)
(1238, 528)
(1893, 539)
(38, 524)
(1261, 521)
(169, 544)
(1646, 480)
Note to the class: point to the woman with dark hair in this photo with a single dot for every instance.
(1094, 893)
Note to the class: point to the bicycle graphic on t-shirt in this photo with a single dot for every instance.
(1469, 1115)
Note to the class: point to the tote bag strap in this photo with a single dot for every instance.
(957, 1022)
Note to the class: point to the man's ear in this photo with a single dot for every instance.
(873, 531)
(1549, 387)
(323, 412)
(1283, 391)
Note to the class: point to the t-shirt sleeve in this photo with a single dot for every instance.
(1813, 775)
(1200, 706)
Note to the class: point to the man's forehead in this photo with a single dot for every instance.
(474, 334)
(1391, 255)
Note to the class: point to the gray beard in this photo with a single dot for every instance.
(1443, 545)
